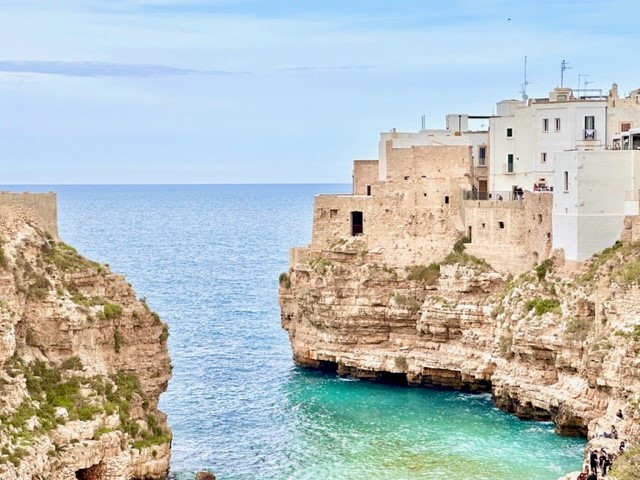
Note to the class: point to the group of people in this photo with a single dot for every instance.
(600, 461)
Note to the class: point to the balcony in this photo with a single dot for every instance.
(589, 134)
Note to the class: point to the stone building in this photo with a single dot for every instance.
(529, 185)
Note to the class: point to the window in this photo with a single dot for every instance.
(589, 127)
(368, 190)
(509, 132)
(510, 163)
(589, 122)
(543, 157)
(501, 224)
(557, 124)
(356, 223)
(566, 181)
(539, 219)
(333, 213)
(406, 177)
(482, 155)
(625, 126)
(446, 200)
(545, 124)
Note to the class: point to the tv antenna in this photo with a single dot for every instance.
(526, 82)
(563, 66)
(580, 76)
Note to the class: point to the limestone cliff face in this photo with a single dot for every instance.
(548, 344)
(82, 365)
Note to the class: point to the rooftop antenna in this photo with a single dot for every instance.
(563, 67)
(581, 75)
(424, 121)
(526, 82)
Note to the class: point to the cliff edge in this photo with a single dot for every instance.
(82, 364)
(552, 343)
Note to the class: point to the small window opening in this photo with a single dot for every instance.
(545, 124)
(446, 199)
(356, 223)
(333, 213)
(484, 225)
(369, 190)
(539, 218)
(566, 181)
(501, 224)
(509, 132)
(406, 177)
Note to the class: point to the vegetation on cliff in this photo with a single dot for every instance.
(81, 360)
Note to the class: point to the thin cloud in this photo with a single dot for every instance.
(315, 69)
(99, 69)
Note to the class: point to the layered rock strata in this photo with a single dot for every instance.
(82, 365)
(549, 344)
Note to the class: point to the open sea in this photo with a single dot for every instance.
(207, 258)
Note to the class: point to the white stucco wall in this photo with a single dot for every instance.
(530, 140)
(589, 215)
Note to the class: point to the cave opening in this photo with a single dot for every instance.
(91, 473)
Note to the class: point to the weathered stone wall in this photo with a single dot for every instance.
(43, 208)
(409, 219)
(365, 174)
(631, 230)
(510, 235)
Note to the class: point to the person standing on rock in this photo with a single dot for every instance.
(593, 461)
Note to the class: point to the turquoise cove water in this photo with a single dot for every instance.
(207, 258)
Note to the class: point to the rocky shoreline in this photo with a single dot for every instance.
(558, 342)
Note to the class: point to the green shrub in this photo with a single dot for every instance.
(629, 273)
(543, 268)
(284, 280)
(72, 363)
(459, 246)
(112, 310)
(627, 465)
(599, 259)
(410, 303)
(165, 333)
(578, 329)
(421, 273)
(320, 265)
(632, 335)
(464, 258)
(66, 258)
(4, 263)
(543, 305)
(39, 288)
(98, 432)
(117, 340)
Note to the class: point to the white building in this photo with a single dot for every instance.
(525, 135)
(594, 191)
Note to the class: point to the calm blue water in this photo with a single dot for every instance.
(207, 258)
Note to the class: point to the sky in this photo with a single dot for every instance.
(274, 91)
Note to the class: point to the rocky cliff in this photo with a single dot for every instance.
(553, 343)
(82, 365)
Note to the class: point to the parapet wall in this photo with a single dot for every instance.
(42, 208)
(511, 235)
